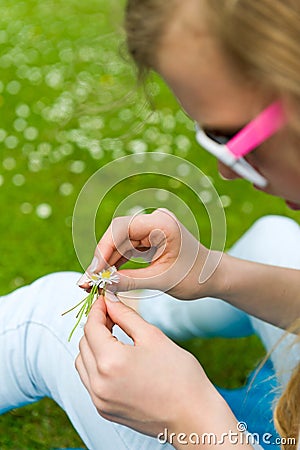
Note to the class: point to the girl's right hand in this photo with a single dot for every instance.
(179, 264)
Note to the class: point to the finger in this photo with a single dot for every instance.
(82, 372)
(96, 325)
(141, 251)
(127, 233)
(151, 277)
(117, 258)
(122, 252)
(113, 244)
(126, 318)
(119, 261)
(98, 336)
(109, 323)
(88, 359)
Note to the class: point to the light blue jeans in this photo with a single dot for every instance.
(37, 361)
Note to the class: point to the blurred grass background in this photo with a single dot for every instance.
(69, 104)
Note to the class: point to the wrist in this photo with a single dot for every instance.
(198, 421)
(207, 425)
(212, 279)
(196, 415)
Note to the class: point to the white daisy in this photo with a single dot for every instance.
(97, 280)
(106, 276)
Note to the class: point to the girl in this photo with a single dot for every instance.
(229, 62)
(234, 66)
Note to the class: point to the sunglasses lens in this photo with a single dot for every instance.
(218, 138)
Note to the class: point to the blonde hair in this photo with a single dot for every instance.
(145, 23)
(287, 410)
(262, 39)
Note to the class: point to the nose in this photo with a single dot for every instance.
(226, 173)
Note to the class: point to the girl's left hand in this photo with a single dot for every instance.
(148, 386)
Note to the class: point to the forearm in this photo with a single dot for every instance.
(268, 292)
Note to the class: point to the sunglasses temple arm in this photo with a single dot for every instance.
(258, 130)
(246, 171)
(222, 153)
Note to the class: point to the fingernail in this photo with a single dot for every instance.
(83, 280)
(111, 297)
(94, 264)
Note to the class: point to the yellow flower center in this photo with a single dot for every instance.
(94, 277)
(106, 274)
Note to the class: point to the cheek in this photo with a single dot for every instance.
(279, 155)
(268, 157)
(279, 161)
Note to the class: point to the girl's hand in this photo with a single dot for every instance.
(177, 260)
(148, 386)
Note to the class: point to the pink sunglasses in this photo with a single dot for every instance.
(231, 150)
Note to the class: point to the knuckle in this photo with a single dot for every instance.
(166, 211)
(119, 229)
(77, 364)
(157, 237)
(168, 218)
(109, 366)
(114, 226)
(81, 343)
(97, 389)
(131, 284)
(117, 222)
(155, 334)
(101, 394)
(86, 332)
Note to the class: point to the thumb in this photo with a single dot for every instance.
(98, 309)
(96, 327)
(124, 316)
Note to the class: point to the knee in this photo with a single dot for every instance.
(276, 231)
(271, 240)
(275, 225)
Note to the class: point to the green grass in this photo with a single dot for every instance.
(68, 105)
(42, 425)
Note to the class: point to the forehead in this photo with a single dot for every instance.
(196, 67)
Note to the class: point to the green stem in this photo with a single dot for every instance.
(74, 307)
(76, 324)
(82, 308)
(87, 304)
(90, 299)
